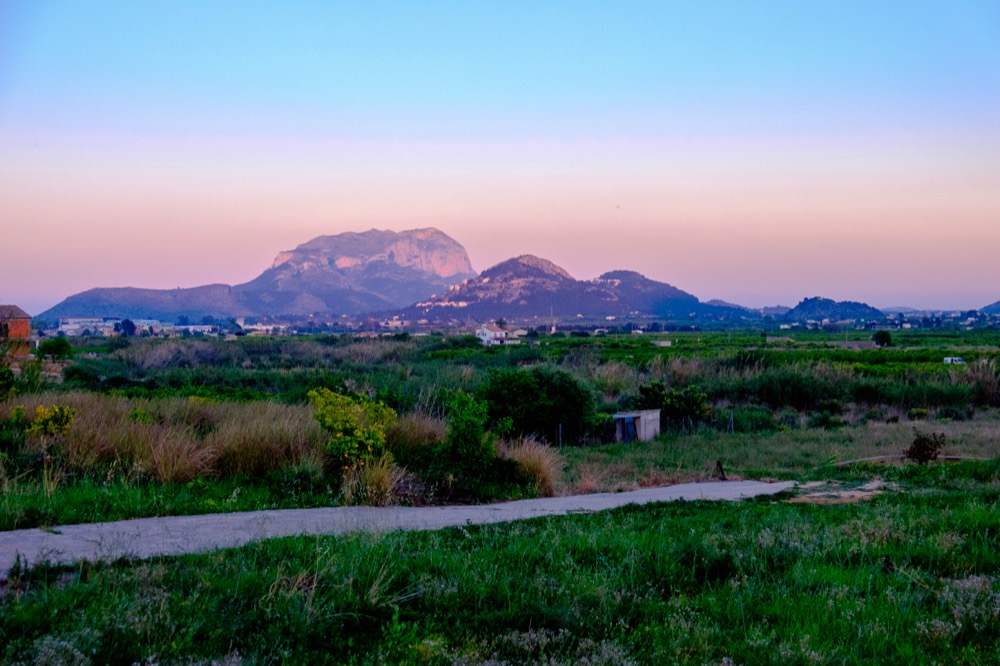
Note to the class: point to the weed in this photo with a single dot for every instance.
(541, 464)
(926, 447)
(374, 484)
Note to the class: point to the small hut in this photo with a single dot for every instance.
(640, 426)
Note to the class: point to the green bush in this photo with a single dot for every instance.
(679, 408)
(753, 419)
(54, 348)
(356, 426)
(7, 383)
(542, 401)
(468, 451)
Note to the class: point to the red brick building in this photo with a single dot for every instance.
(15, 329)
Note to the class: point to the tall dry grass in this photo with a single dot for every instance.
(982, 375)
(676, 371)
(614, 378)
(271, 437)
(415, 429)
(539, 462)
(374, 484)
(177, 439)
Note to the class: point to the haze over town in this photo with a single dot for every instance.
(757, 153)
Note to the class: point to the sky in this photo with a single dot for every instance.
(756, 152)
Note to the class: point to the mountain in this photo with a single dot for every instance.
(992, 309)
(345, 273)
(358, 272)
(216, 300)
(530, 286)
(818, 309)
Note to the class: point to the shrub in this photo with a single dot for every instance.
(678, 407)
(882, 338)
(7, 383)
(753, 419)
(51, 421)
(826, 420)
(356, 425)
(925, 447)
(545, 402)
(537, 462)
(469, 453)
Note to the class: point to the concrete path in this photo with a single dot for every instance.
(149, 537)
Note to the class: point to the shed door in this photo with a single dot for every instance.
(628, 430)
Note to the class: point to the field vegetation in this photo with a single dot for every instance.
(181, 426)
(197, 425)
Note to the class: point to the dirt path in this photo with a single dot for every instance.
(149, 537)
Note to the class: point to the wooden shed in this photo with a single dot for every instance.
(640, 426)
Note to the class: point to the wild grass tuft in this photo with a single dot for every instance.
(373, 484)
(172, 457)
(538, 462)
(415, 429)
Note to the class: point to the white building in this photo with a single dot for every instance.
(491, 335)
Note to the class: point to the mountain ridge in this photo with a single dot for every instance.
(346, 273)
(424, 274)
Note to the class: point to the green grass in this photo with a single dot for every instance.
(26, 505)
(912, 577)
(784, 454)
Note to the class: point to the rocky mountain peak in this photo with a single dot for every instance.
(427, 250)
(527, 265)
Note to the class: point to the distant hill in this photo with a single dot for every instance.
(340, 274)
(718, 302)
(818, 309)
(530, 286)
(992, 309)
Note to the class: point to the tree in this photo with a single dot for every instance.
(882, 338)
(126, 327)
(55, 348)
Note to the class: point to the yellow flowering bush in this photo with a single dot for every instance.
(356, 425)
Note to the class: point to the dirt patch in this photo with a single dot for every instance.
(835, 492)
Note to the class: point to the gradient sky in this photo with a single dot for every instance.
(757, 152)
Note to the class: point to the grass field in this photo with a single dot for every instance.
(910, 577)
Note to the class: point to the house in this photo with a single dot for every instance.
(954, 360)
(15, 329)
(641, 426)
(490, 335)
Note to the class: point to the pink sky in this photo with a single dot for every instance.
(902, 222)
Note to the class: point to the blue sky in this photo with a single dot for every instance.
(145, 125)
